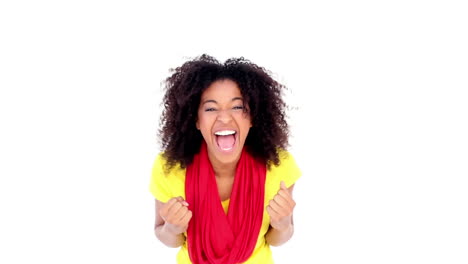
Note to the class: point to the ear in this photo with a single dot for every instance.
(197, 125)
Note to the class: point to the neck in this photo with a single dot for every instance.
(223, 170)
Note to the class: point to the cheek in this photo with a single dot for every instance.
(204, 124)
(247, 122)
(244, 122)
(200, 120)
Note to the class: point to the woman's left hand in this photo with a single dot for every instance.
(281, 208)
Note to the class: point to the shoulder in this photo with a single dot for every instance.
(161, 166)
(287, 169)
(166, 182)
(286, 161)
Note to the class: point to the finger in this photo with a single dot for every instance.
(186, 218)
(273, 214)
(278, 209)
(183, 221)
(283, 202)
(287, 197)
(167, 206)
(174, 208)
(284, 193)
(283, 186)
(180, 199)
(180, 213)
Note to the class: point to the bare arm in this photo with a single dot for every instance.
(277, 237)
(280, 210)
(172, 221)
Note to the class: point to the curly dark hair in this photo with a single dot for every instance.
(181, 140)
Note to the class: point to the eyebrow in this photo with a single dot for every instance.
(214, 101)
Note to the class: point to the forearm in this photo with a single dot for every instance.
(277, 237)
(167, 238)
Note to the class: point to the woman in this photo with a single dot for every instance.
(223, 183)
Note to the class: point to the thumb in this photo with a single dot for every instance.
(180, 199)
(283, 186)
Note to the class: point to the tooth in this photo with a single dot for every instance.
(225, 132)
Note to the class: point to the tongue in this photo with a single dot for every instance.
(226, 142)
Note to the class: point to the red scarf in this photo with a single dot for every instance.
(214, 237)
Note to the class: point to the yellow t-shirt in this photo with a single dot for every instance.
(166, 185)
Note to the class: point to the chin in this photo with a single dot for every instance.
(226, 156)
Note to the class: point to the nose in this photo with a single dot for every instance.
(224, 116)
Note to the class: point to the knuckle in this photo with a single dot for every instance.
(170, 202)
(162, 213)
(187, 221)
(176, 206)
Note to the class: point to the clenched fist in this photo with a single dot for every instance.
(281, 208)
(176, 215)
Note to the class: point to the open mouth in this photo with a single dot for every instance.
(226, 139)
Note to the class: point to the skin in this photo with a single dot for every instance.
(172, 220)
(280, 209)
(222, 107)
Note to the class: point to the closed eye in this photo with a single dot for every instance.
(239, 107)
(211, 109)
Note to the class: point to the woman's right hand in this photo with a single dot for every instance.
(176, 215)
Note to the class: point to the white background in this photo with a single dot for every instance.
(379, 123)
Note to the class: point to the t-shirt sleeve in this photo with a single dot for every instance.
(287, 171)
(159, 183)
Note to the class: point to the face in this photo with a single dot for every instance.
(223, 121)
